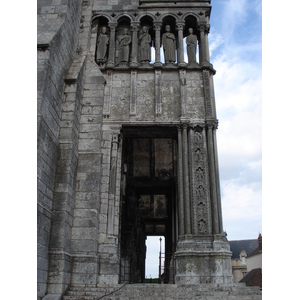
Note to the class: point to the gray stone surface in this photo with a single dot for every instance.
(172, 292)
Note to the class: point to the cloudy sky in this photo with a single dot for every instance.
(236, 53)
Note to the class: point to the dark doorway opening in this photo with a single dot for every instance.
(149, 198)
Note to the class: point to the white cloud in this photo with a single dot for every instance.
(242, 210)
(240, 202)
(238, 100)
(234, 13)
(215, 42)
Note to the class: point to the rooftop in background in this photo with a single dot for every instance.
(253, 278)
(237, 246)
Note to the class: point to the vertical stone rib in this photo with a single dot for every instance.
(182, 74)
(133, 94)
(212, 177)
(187, 207)
(108, 93)
(218, 182)
(112, 184)
(158, 92)
(180, 185)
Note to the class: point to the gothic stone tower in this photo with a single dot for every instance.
(126, 144)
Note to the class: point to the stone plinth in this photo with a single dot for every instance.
(203, 259)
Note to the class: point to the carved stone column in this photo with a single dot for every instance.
(112, 182)
(206, 32)
(200, 192)
(108, 239)
(218, 181)
(134, 51)
(180, 184)
(212, 179)
(157, 28)
(112, 45)
(180, 56)
(204, 57)
(187, 204)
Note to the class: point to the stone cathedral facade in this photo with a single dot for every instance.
(126, 145)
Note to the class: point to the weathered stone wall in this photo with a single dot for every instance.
(132, 97)
(58, 25)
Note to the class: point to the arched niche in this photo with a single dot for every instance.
(123, 26)
(168, 20)
(102, 40)
(191, 23)
(147, 21)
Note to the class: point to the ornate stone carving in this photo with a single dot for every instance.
(200, 193)
(206, 82)
(169, 45)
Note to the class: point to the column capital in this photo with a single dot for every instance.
(135, 25)
(180, 25)
(112, 25)
(212, 123)
(157, 25)
(197, 125)
(203, 27)
(184, 121)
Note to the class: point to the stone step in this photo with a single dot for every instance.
(164, 292)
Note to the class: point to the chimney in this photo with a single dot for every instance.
(260, 242)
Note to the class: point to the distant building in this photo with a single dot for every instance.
(254, 259)
(240, 251)
(246, 261)
(254, 266)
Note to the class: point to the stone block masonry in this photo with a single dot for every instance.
(58, 26)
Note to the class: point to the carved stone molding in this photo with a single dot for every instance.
(207, 93)
(199, 182)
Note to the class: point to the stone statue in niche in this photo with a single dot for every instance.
(191, 42)
(145, 47)
(102, 43)
(124, 46)
(169, 45)
(202, 226)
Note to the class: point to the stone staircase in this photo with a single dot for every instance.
(164, 292)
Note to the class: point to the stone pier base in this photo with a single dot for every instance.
(203, 259)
